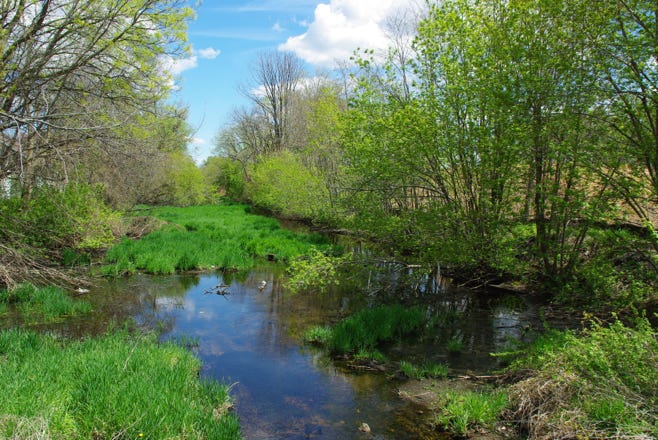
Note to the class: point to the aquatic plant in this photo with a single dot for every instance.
(427, 370)
(369, 328)
(320, 335)
(115, 386)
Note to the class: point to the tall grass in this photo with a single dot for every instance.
(44, 304)
(115, 386)
(207, 237)
(370, 328)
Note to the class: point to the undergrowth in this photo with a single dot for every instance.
(602, 383)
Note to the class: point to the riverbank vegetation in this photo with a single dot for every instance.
(113, 386)
(222, 236)
(507, 144)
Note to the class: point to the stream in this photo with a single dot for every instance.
(251, 338)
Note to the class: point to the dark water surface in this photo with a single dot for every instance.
(251, 338)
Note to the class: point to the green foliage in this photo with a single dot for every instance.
(114, 386)
(424, 371)
(184, 183)
(206, 237)
(455, 345)
(75, 217)
(601, 383)
(225, 175)
(370, 328)
(282, 183)
(320, 335)
(315, 271)
(46, 304)
(462, 411)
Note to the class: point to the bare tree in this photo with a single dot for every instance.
(64, 62)
(275, 77)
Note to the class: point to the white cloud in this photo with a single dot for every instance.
(209, 53)
(277, 27)
(175, 66)
(341, 26)
(198, 141)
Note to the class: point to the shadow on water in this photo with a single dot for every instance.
(283, 389)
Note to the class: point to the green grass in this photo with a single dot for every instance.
(424, 371)
(600, 383)
(318, 335)
(46, 304)
(114, 386)
(368, 329)
(462, 411)
(208, 237)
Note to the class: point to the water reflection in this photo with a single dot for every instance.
(284, 390)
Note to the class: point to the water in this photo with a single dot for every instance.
(251, 339)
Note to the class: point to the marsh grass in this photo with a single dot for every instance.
(114, 386)
(318, 335)
(41, 304)
(207, 237)
(369, 329)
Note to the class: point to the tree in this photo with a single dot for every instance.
(276, 76)
(77, 70)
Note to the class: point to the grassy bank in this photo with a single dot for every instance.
(116, 386)
(40, 305)
(600, 383)
(207, 237)
(112, 387)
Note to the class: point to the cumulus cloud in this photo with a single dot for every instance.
(209, 53)
(175, 66)
(341, 26)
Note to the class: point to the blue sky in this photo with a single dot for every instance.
(227, 36)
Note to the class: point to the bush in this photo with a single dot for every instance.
(281, 183)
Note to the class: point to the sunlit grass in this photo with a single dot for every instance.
(208, 237)
(45, 304)
(115, 386)
(462, 411)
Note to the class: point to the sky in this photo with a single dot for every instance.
(227, 36)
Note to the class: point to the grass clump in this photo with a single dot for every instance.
(318, 335)
(207, 237)
(115, 386)
(370, 328)
(424, 371)
(602, 383)
(41, 304)
(463, 411)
